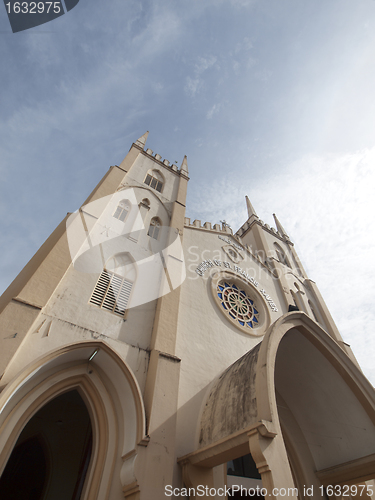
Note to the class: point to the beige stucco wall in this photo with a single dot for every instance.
(207, 342)
(69, 318)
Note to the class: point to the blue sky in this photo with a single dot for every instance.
(270, 98)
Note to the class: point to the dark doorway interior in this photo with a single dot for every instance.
(52, 453)
(244, 467)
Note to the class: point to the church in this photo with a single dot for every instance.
(147, 356)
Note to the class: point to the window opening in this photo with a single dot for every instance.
(122, 211)
(154, 180)
(243, 467)
(239, 306)
(154, 228)
(111, 292)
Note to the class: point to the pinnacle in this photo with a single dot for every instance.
(184, 166)
(250, 208)
(142, 140)
(280, 227)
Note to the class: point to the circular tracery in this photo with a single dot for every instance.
(238, 305)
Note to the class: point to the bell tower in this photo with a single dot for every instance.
(103, 293)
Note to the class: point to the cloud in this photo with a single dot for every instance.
(243, 3)
(213, 111)
(240, 57)
(163, 28)
(192, 86)
(204, 63)
(195, 84)
(244, 46)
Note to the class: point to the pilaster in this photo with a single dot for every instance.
(269, 454)
(162, 383)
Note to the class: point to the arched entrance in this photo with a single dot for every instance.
(326, 424)
(95, 383)
(299, 405)
(52, 453)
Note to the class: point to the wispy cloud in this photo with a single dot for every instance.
(243, 3)
(194, 84)
(244, 46)
(204, 63)
(213, 111)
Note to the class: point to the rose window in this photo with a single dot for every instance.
(238, 304)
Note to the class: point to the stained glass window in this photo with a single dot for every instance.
(238, 305)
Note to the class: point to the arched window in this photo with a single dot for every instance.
(281, 255)
(155, 180)
(154, 228)
(122, 210)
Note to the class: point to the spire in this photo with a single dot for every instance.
(280, 227)
(184, 167)
(250, 208)
(142, 140)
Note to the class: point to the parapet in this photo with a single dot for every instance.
(165, 162)
(219, 228)
(266, 227)
(208, 226)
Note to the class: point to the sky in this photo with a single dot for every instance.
(274, 99)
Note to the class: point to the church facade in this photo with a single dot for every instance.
(144, 355)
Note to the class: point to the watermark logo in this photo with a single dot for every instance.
(123, 235)
(24, 15)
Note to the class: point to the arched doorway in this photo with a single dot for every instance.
(327, 430)
(52, 454)
(112, 397)
(301, 407)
